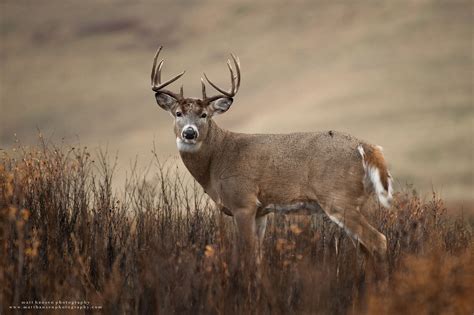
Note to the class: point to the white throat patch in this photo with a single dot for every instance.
(186, 146)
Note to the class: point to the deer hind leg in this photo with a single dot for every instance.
(374, 242)
(354, 223)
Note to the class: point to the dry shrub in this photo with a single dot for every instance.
(161, 247)
(433, 284)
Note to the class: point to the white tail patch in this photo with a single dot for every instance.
(372, 175)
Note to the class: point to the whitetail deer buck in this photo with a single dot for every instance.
(251, 175)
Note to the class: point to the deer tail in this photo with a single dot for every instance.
(377, 177)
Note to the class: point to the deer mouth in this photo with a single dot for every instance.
(187, 145)
(188, 141)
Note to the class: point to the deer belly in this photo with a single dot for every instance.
(296, 207)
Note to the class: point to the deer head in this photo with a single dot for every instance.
(192, 116)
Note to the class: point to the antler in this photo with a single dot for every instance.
(156, 84)
(234, 78)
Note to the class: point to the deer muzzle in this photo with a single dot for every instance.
(189, 133)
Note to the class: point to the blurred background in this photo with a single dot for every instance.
(395, 73)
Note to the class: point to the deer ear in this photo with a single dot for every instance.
(221, 105)
(165, 101)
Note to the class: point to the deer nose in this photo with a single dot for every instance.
(189, 133)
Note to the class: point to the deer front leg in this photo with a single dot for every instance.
(246, 243)
(261, 225)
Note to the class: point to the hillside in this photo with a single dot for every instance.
(397, 74)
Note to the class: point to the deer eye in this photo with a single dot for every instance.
(179, 114)
(203, 115)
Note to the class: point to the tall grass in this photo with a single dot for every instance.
(161, 247)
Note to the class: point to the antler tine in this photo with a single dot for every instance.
(203, 89)
(157, 77)
(237, 69)
(162, 85)
(153, 69)
(232, 79)
(217, 88)
(156, 84)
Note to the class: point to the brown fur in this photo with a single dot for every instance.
(374, 157)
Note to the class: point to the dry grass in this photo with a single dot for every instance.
(161, 247)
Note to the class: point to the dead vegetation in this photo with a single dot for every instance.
(161, 247)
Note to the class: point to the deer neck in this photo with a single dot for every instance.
(199, 162)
